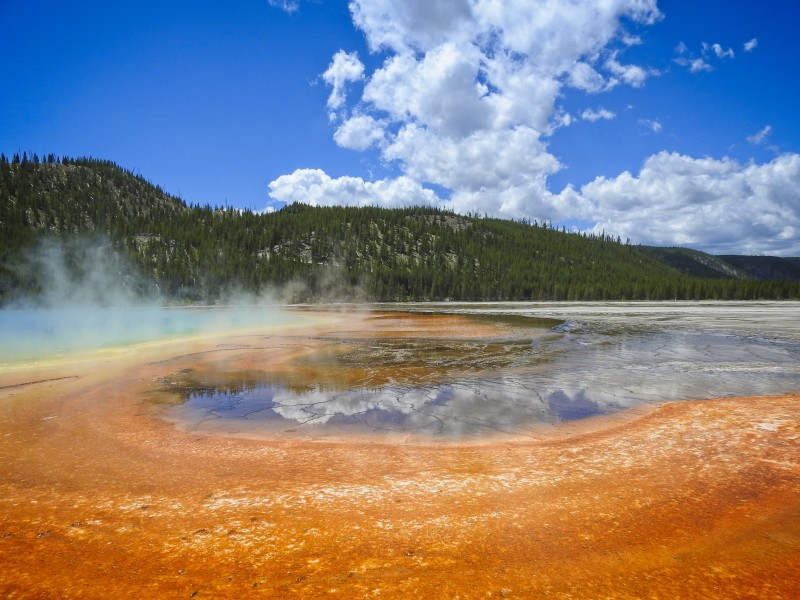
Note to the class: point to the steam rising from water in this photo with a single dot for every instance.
(76, 294)
(27, 334)
(77, 272)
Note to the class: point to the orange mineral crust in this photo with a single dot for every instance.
(100, 497)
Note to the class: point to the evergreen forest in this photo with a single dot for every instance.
(156, 245)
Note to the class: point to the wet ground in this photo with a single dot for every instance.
(105, 494)
(537, 365)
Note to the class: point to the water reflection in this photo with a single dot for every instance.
(573, 370)
(578, 406)
(480, 406)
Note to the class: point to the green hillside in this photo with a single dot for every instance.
(766, 267)
(92, 210)
(699, 264)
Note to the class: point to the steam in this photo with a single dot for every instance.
(66, 296)
(80, 272)
(59, 273)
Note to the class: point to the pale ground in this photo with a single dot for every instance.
(101, 498)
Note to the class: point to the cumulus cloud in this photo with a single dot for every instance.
(750, 45)
(317, 188)
(468, 93)
(584, 77)
(359, 133)
(595, 115)
(633, 75)
(720, 205)
(344, 68)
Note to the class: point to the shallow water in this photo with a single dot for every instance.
(34, 334)
(587, 360)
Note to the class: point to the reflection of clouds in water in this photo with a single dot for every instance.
(578, 406)
(575, 373)
(318, 407)
(499, 404)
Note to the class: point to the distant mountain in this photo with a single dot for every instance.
(765, 268)
(699, 264)
(98, 227)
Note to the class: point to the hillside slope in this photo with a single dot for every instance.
(766, 267)
(699, 264)
(91, 210)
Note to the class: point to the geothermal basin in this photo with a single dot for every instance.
(455, 450)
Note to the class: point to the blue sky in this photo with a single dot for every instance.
(669, 123)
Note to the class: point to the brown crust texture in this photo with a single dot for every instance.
(99, 498)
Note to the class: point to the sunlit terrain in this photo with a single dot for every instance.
(577, 362)
(489, 450)
(29, 334)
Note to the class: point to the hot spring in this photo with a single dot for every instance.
(505, 369)
(31, 334)
(411, 449)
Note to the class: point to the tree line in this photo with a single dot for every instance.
(202, 253)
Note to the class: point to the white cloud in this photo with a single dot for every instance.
(631, 40)
(584, 77)
(633, 75)
(344, 68)
(751, 45)
(468, 94)
(698, 65)
(720, 53)
(359, 133)
(468, 90)
(761, 136)
(484, 163)
(289, 6)
(411, 24)
(719, 205)
(315, 187)
(718, 50)
(651, 124)
(440, 90)
(595, 115)
(562, 119)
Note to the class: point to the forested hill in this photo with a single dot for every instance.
(203, 254)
